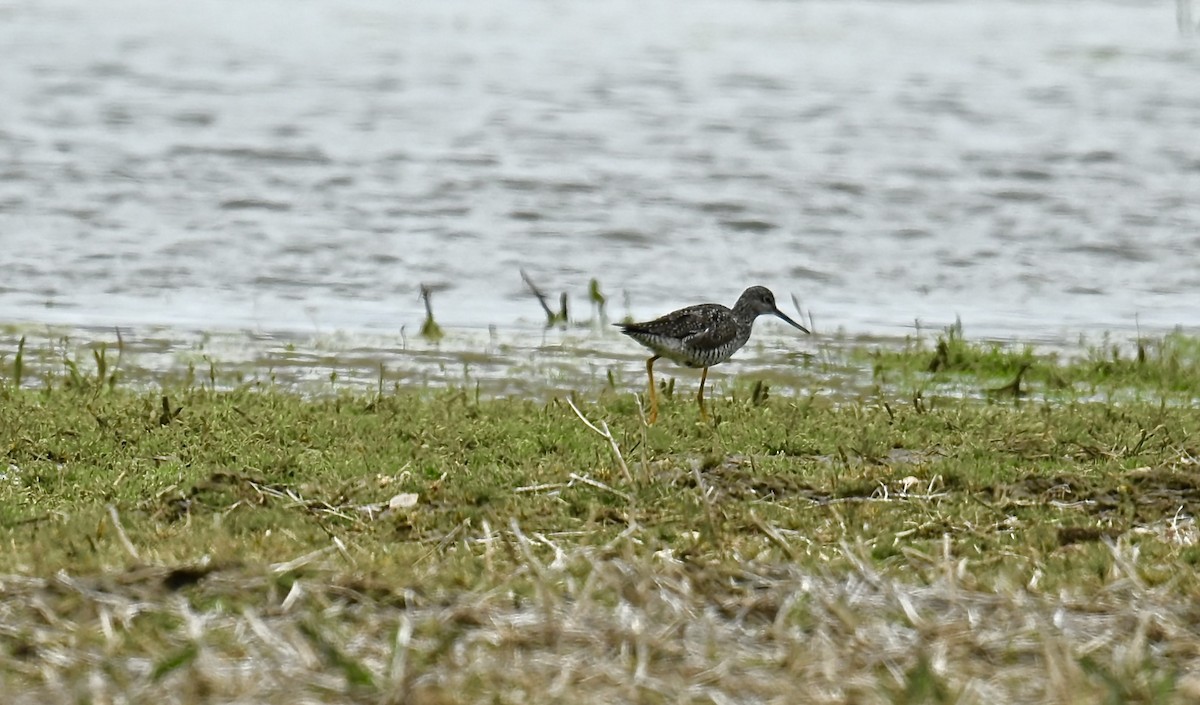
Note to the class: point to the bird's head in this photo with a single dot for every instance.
(759, 300)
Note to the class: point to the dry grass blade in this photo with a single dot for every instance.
(773, 534)
(121, 535)
(600, 486)
(707, 500)
(300, 562)
(604, 433)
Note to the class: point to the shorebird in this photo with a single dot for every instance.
(702, 336)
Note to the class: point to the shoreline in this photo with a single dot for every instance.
(539, 362)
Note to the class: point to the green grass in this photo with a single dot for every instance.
(257, 544)
(1166, 365)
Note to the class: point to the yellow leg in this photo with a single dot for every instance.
(653, 393)
(700, 394)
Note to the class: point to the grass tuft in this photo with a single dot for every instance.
(19, 363)
(1168, 365)
(430, 330)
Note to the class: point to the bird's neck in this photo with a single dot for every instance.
(744, 314)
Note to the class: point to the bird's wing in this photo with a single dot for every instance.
(700, 325)
(678, 325)
(711, 330)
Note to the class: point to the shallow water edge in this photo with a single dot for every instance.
(541, 363)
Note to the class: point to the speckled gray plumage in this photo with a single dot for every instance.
(696, 336)
(706, 334)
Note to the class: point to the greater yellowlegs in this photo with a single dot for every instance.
(702, 336)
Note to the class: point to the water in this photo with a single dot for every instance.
(284, 165)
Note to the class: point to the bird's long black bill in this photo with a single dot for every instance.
(783, 315)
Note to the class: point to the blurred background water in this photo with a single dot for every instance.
(282, 165)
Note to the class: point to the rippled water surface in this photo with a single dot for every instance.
(301, 165)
